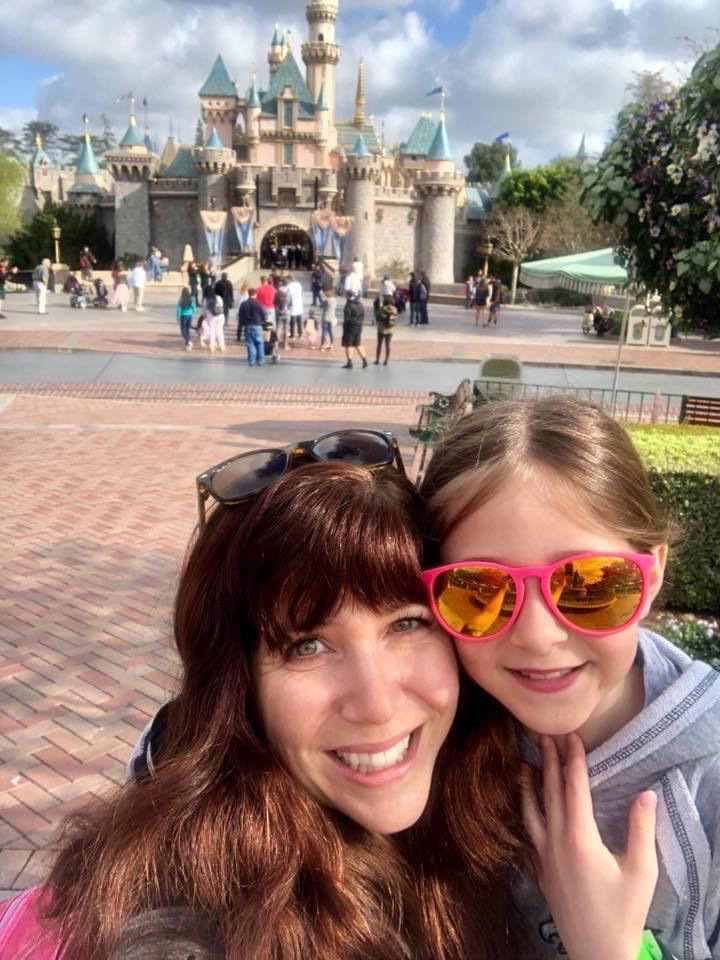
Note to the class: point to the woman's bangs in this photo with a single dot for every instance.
(368, 558)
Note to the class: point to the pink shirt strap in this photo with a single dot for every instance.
(21, 935)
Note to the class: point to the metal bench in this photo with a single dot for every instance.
(702, 410)
(435, 417)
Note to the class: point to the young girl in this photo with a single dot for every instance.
(328, 303)
(551, 550)
(185, 311)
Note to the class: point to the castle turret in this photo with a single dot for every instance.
(439, 185)
(362, 172)
(359, 118)
(320, 52)
(277, 51)
(218, 100)
(132, 166)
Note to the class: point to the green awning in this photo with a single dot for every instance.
(577, 271)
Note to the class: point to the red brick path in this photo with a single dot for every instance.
(98, 508)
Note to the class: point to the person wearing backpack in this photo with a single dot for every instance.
(41, 278)
(353, 320)
(386, 317)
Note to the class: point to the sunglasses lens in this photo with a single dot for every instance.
(475, 601)
(597, 593)
(247, 475)
(356, 446)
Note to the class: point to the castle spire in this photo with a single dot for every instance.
(359, 119)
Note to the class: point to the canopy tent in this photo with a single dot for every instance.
(590, 272)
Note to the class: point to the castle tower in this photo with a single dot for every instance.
(88, 184)
(132, 167)
(321, 53)
(439, 185)
(218, 102)
(362, 173)
(359, 118)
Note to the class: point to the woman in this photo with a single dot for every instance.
(353, 320)
(122, 291)
(185, 310)
(6, 272)
(304, 734)
(386, 317)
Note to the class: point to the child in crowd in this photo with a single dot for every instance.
(185, 311)
(310, 330)
(551, 551)
(328, 303)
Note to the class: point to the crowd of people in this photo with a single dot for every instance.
(484, 295)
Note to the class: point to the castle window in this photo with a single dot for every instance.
(288, 154)
(321, 37)
(287, 113)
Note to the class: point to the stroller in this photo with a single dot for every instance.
(101, 293)
(270, 339)
(81, 298)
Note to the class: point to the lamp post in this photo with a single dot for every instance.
(56, 232)
(485, 250)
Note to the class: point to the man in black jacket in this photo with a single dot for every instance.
(250, 318)
(224, 290)
(353, 320)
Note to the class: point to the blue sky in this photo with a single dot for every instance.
(546, 70)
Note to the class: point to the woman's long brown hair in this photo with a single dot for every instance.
(221, 828)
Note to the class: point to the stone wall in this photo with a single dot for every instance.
(396, 234)
(467, 237)
(175, 222)
(360, 204)
(132, 218)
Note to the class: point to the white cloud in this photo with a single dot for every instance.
(548, 71)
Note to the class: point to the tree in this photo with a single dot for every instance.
(537, 188)
(658, 182)
(648, 87)
(516, 233)
(48, 132)
(199, 134)
(107, 138)
(486, 162)
(12, 177)
(569, 228)
(9, 142)
(34, 241)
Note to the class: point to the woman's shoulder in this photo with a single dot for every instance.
(21, 934)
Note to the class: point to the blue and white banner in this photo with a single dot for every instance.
(214, 223)
(320, 228)
(244, 227)
(341, 229)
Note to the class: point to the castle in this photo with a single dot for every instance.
(277, 165)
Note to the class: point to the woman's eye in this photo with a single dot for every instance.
(307, 647)
(404, 624)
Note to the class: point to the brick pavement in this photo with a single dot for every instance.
(98, 510)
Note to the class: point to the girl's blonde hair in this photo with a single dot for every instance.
(570, 440)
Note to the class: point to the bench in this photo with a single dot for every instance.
(702, 410)
(435, 417)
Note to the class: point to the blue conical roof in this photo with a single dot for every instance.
(148, 143)
(218, 83)
(440, 148)
(277, 40)
(132, 136)
(361, 148)
(322, 103)
(214, 142)
(86, 162)
(253, 98)
(582, 152)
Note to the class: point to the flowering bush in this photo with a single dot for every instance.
(699, 638)
(658, 181)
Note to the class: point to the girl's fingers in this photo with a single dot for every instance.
(579, 808)
(641, 853)
(553, 787)
(532, 815)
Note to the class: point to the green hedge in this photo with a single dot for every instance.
(683, 464)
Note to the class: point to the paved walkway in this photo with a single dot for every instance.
(535, 336)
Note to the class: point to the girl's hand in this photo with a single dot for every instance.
(599, 901)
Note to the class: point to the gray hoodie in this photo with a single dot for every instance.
(672, 747)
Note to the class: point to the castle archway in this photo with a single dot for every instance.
(286, 244)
